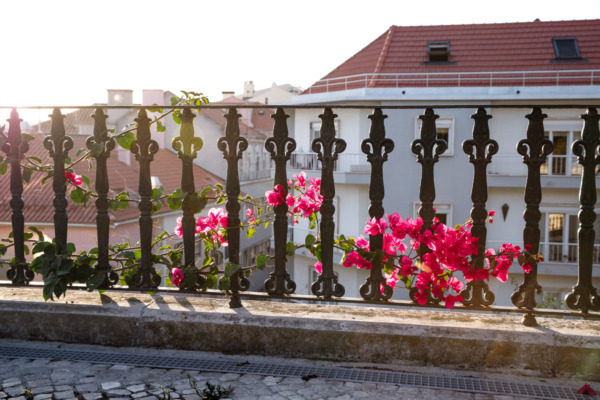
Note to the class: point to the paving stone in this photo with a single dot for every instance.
(3, 395)
(190, 397)
(67, 394)
(11, 382)
(139, 394)
(38, 382)
(88, 379)
(110, 385)
(42, 396)
(14, 390)
(18, 398)
(42, 389)
(87, 387)
(92, 396)
(120, 367)
(147, 398)
(118, 392)
(136, 388)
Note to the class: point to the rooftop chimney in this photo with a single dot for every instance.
(227, 94)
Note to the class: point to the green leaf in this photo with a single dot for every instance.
(310, 239)
(70, 248)
(290, 249)
(231, 268)
(224, 283)
(3, 168)
(81, 150)
(78, 195)
(211, 281)
(48, 176)
(174, 100)
(27, 137)
(160, 127)
(95, 281)
(85, 180)
(176, 118)
(27, 172)
(218, 185)
(124, 140)
(262, 260)
(250, 232)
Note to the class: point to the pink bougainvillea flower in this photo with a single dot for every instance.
(319, 267)
(527, 267)
(177, 276)
(455, 284)
(252, 221)
(300, 179)
(421, 297)
(249, 212)
(587, 389)
(179, 228)
(450, 300)
(375, 227)
(528, 247)
(491, 213)
(73, 178)
(275, 196)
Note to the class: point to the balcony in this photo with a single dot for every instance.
(244, 327)
(458, 79)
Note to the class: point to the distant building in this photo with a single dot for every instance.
(483, 64)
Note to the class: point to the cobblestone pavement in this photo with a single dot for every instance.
(24, 379)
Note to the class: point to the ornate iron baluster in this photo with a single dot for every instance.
(480, 150)
(377, 148)
(539, 148)
(59, 145)
(427, 156)
(101, 145)
(583, 296)
(19, 272)
(232, 146)
(427, 149)
(187, 146)
(144, 149)
(327, 147)
(281, 147)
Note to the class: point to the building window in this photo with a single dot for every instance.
(562, 161)
(438, 51)
(445, 131)
(566, 48)
(443, 211)
(315, 130)
(558, 236)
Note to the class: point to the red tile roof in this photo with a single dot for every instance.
(38, 199)
(523, 46)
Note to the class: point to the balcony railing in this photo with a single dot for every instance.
(460, 79)
(556, 165)
(344, 163)
(565, 253)
(480, 150)
(252, 175)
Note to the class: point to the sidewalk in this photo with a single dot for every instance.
(62, 379)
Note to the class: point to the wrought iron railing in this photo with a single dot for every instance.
(345, 162)
(534, 150)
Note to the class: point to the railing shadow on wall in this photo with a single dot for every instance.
(534, 150)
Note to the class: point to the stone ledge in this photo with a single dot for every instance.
(338, 333)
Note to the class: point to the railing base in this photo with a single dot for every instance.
(460, 340)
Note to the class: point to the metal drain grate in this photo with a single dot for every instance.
(474, 385)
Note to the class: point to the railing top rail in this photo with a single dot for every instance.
(315, 106)
(458, 73)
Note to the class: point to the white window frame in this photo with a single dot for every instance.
(442, 122)
(440, 208)
(570, 126)
(315, 127)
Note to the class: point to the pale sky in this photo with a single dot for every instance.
(63, 52)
